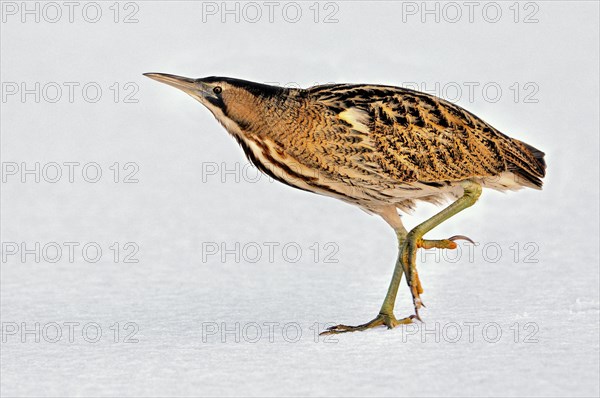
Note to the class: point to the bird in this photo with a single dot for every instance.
(381, 148)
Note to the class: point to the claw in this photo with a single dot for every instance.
(418, 303)
(461, 237)
(416, 315)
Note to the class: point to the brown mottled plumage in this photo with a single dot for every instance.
(378, 147)
(373, 145)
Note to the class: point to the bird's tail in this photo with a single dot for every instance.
(525, 162)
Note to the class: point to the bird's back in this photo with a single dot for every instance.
(417, 137)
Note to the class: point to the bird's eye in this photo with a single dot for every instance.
(217, 90)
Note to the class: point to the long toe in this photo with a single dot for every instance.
(381, 320)
(449, 243)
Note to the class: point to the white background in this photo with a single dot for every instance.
(177, 295)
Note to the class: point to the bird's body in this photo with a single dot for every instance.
(381, 148)
(376, 145)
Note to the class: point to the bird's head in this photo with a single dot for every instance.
(236, 103)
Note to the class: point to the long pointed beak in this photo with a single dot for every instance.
(183, 83)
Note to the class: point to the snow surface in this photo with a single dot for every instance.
(183, 308)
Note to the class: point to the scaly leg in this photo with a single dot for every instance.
(414, 239)
(408, 244)
(386, 314)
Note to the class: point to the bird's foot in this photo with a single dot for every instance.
(381, 320)
(441, 244)
(408, 254)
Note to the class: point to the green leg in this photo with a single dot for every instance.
(386, 314)
(408, 244)
(387, 307)
(414, 240)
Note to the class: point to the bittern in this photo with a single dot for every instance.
(381, 148)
